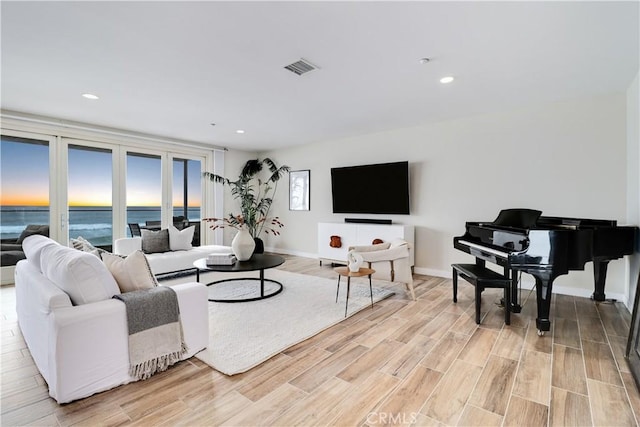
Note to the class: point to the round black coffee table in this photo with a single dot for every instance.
(259, 262)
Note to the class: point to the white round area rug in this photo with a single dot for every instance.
(244, 334)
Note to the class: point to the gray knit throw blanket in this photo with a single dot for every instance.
(155, 332)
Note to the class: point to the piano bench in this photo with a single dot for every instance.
(482, 278)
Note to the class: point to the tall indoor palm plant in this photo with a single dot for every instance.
(255, 196)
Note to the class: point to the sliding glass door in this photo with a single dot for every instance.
(94, 188)
(144, 190)
(187, 194)
(89, 194)
(24, 187)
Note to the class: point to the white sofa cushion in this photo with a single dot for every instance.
(132, 273)
(127, 245)
(167, 262)
(33, 245)
(180, 240)
(81, 275)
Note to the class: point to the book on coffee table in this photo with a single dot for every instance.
(221, 259)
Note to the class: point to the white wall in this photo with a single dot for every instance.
(566, 159)
(633, 178)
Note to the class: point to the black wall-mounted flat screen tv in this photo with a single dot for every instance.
(371, 189)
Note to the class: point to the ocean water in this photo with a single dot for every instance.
(92, 223)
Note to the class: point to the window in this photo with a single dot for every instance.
(94, 185)
(144, 189)
(187, 195)
(25, 185)
(89, 194)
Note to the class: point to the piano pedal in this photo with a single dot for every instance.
(515, 308)
(603, 300)
(607, 301)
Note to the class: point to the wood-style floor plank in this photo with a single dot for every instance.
(523, 412)
(412, 393)
(479, 347)
(610, 405)
(534, 377)
(405, 362)
(600, 364)
(569, 409)
(452, 392)
(472, 416)
(568, 369)
(498, 375)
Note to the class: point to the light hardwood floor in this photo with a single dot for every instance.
(404, 362)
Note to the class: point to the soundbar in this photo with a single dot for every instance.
(368, 221)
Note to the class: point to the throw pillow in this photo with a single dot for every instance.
(131, 272)
(33, 245)
(84, 245)
(155, 241)
(76, 244)
(33, 229)
(180, 240)
(81, 275)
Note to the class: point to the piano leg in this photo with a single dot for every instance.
(543, 294)
(599, 275)
(515, 306)
(455, 285)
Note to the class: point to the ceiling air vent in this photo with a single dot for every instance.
(301, 67)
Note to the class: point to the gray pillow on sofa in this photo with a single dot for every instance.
(155, 241)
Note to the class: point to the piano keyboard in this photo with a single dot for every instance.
(485, 249)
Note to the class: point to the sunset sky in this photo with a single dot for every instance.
(25, 175)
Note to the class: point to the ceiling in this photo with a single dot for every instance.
(174, 68)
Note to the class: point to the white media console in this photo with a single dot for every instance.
(358, 234)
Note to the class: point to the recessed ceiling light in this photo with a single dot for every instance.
(90, 96)
(424, 60)
(447, 79)
(239, 131)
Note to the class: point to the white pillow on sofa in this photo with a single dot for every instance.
(33, 245)
(180, 240)
(81, 275)
(131, 272)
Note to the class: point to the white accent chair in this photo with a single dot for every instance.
(390, 260)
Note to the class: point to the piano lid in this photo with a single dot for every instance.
(518, 218)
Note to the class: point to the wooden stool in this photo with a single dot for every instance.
(482, 278)
(344, 271)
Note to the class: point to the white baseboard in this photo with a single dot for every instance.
(290, 252)
(432, 272)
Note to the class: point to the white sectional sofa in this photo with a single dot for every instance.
(167, 262)
(76, 333)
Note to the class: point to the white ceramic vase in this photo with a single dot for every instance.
(355, 261)
(243, 245)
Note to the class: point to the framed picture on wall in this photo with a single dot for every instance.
(299, 184)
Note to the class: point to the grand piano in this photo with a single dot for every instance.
(546, 247)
